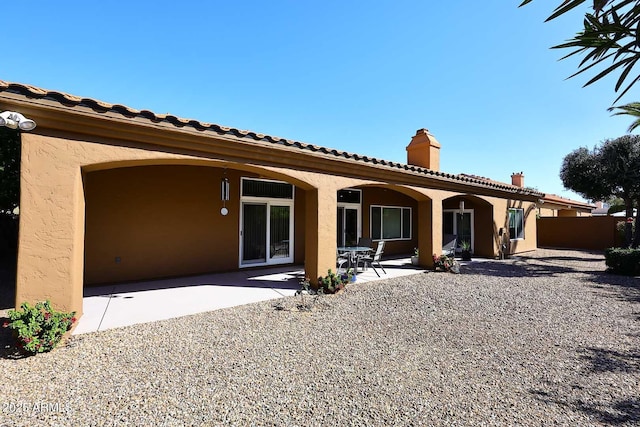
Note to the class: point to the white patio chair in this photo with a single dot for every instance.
(374, 259)
(449, 243)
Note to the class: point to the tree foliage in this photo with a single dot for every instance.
(581, 173)
(611, 169)
(610, 38)
(632, 109)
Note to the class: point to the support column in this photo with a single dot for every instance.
(320, 232)
(51, 242)
(429, 231)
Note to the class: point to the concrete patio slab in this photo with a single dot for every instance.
(119, 305)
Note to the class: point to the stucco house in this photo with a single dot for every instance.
(556, 206)
(111, 194)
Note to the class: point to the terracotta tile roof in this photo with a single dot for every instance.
(487, 180)
(71, 101)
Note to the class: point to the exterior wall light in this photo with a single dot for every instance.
(14, 120)
(225, 189)
(224, 195)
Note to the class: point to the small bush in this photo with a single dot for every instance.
(623, 261)
(332, 282)
(39, 328)
(446, 263)
(620, 227)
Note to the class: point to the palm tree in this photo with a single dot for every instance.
(632, 109)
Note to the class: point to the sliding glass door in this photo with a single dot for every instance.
(266, 224)
(460, 224)
(348, 225)
(254, 233)
(279, 233)
(266, 234)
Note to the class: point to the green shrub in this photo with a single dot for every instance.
(39, 328)
(620, 227)
(623, 261)
(332, 282)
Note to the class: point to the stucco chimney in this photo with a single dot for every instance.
(517, 179)
(424, 150)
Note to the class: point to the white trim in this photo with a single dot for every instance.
(358, 208)
(509, 220)
(401, 225)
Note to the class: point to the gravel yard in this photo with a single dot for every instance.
(546, 338)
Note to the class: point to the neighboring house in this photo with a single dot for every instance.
(111, 194)
(602, 208)
(556, 206)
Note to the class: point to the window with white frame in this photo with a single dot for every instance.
(516, 223)
(390, 223)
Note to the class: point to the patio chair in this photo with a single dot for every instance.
(342, 259)
(449, 243)
(374, 259)
(365, 242)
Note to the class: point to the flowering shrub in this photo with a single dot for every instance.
(446, 263)
(39, 328)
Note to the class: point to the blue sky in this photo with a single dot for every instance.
(356, 76)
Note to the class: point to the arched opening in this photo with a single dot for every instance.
(470, 218)
(165, 219)
(381, 213)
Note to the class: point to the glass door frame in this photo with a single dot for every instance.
(455, 225)
(268, 202)
(353, 206)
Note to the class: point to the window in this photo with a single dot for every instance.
(516, 224)
(390, 223)
(349, 195)
(267, 189)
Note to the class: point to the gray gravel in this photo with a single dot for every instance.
(543, 339)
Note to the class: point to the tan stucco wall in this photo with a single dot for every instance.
(547, 212)
(566, 213)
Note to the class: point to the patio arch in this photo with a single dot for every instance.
(147, 219)
(399, 200)
(480, 214)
